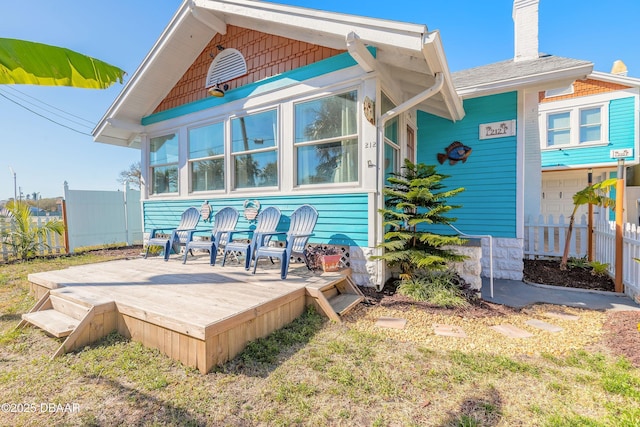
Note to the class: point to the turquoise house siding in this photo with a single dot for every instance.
(621, 135)
(342, 219)
(489, 176)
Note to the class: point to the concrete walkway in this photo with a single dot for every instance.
(519, 294)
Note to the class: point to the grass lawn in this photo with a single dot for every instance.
(313, 372)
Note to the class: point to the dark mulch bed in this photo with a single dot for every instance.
(548, 272)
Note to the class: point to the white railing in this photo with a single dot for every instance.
(605, 251)
(55, 242)
(546, 238)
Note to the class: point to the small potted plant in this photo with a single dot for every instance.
(325, 257)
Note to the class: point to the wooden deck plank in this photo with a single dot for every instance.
(57, 324)
(343, 302)
(195, 313)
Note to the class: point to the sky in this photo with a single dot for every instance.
(42, 155)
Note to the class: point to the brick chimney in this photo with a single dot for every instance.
(525, 20)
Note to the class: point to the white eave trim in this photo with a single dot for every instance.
(614, 78)
(371, 30)
(435, 56)
(575, 73)
(165, 37)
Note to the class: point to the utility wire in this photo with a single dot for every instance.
(91, 123)
(49, 111)
(43, 116)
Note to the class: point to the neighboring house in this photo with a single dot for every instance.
(580, 125)
(244, 100)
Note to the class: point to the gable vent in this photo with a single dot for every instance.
(227, 65)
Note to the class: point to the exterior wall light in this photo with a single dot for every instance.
(217, 91)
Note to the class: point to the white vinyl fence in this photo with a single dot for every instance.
(545, 238)
(102, 217)
(92, 218)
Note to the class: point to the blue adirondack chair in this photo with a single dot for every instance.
(224, 221)
(303, 221)
(268, 221)
(177, 236)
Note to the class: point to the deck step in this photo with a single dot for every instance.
(64, 305)
(336, 298)
(342, 303)
(53, 322)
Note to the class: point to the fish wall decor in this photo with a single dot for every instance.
(455, 152)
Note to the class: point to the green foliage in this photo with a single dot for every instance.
(23, 236)
(574, 262)
(599, 268)
(415, 199)
(440, 288)
(595, 194)
(26, 62)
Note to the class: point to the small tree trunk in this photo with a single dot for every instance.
(565, 255)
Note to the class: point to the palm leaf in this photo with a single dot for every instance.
(25, 62)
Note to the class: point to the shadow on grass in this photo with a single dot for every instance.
(11, 317)
(263, 355)
(148, 410)
(125, 382)
(484, 409)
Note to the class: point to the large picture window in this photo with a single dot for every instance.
(163, 160)
(326, 140)
(206, 157)
(254, 150)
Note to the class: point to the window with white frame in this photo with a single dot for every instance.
(326, 139)
(559, 129)
(254, 150)
(206, 157)
(590, 125)
(163, 162)
(391, 138)
(576, 126)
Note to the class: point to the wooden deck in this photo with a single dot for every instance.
(195, 313)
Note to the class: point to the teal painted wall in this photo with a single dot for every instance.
(342, 219)
(489, 176)
(621, 135)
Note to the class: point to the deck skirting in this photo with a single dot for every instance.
(199, 315)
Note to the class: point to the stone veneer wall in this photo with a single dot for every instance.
(508, 255)
(470, 269)
(508, 258)
(363, 270)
